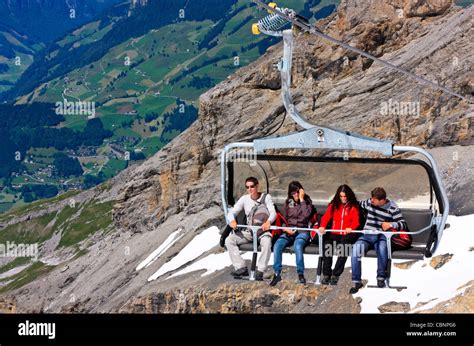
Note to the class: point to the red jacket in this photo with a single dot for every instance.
(342, 218)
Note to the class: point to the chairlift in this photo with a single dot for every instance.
(418, 191)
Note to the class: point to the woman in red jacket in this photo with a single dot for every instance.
(343, 214)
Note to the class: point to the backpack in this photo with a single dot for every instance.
(313, 218)
(258, 215)
(280, 221)
(313, 223)
(401, 241)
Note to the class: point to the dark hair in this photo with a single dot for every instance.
(252, 180)
(294, 186)
(379, 193)
(351, 198)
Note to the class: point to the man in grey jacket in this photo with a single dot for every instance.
(242, 236)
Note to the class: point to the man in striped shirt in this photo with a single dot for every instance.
(382, 214)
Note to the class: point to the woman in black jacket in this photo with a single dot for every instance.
(297, 213)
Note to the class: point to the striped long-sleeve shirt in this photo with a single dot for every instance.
(389, 212)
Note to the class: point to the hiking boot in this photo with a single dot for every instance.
(267, 275)
(275, 280)
(381, 283)
(240, 272)
(357, 286)
(301, 279)
(258, 275)
(325, 280)
(334, 280)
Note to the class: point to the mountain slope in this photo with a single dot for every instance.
(156, 14)
(48, 19)
(177, 190)
(16, 54)
(141, 73)
(26, 27)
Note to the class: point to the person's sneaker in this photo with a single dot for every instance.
(357, 286)
(381, 283)
(334, 280)
(258, 275)
(301, 279)
(240, 272)
(325, 280)
(275, 280)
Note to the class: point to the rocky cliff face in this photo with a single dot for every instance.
(179, 188)
(255, 297)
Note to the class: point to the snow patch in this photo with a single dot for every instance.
(172, 238)
(13, 271)
(201, 243)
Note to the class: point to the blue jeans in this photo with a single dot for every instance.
(364, 244)
(300, 240)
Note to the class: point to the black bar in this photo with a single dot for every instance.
(289, 329)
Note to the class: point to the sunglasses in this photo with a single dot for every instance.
(249, 186)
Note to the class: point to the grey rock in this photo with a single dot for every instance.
(394, 307)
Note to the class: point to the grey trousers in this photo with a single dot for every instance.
(233, 241)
